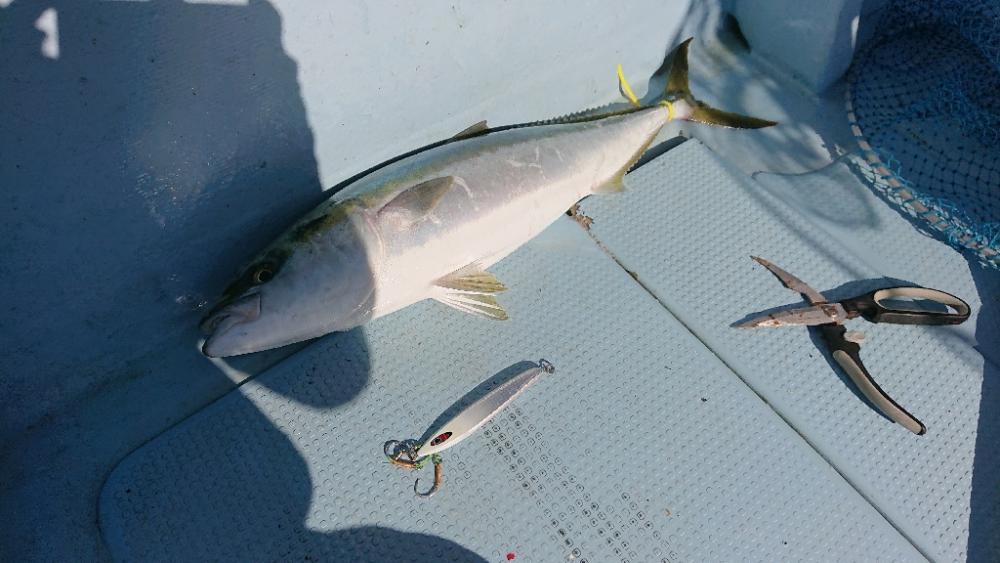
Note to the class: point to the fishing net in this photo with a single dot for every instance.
(924, 102)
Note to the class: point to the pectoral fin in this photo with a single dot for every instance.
(414, 204)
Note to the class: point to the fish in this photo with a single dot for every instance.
(429, 223)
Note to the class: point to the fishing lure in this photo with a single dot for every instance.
(414, 455)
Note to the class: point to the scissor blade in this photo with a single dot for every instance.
(792, 282)
(810, 315)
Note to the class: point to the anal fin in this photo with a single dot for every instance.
(479, 304)
(472, 279)
(616, 184)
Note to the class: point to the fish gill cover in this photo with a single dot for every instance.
(924, 101)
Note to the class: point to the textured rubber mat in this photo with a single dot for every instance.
(641, 447)
(941, 490)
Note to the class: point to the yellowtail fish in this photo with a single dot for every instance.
(428, 224)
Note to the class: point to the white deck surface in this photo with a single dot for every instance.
(169, 141)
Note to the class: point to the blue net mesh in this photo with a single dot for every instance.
(924, 101)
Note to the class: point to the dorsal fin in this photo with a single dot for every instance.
(472, 130)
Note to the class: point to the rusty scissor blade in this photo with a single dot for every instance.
(810, 315)
(792, 282)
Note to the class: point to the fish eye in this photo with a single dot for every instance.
(263, 274)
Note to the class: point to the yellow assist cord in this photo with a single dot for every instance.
(627, 90)
(670, 109)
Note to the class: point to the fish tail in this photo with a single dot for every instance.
(682, 104)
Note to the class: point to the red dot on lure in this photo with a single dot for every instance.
(511, 556)
(440, 438)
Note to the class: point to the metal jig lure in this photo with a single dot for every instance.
(412, 454)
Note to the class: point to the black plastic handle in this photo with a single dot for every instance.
(871, 306)
(847, 354)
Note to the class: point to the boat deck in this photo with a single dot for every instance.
(189, 134)
(664, 435)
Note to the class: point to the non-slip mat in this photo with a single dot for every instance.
(686, 226)
(641, 447)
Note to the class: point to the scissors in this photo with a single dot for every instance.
(876, 307)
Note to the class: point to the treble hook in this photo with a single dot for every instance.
(437, 480)
(395, 452)
(412, 454)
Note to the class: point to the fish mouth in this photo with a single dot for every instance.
(218, 325)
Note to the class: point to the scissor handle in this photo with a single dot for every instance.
(871, 306)
(848, 355)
